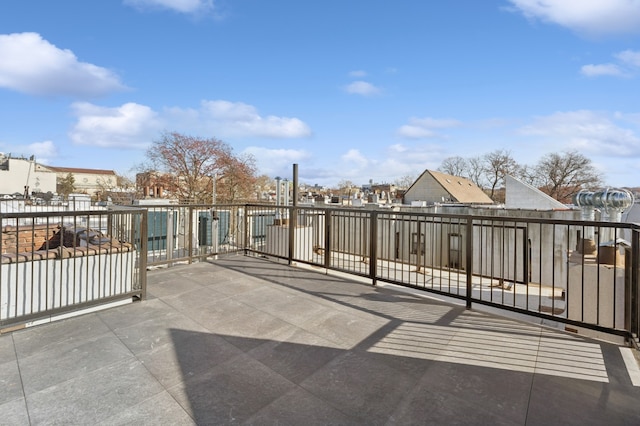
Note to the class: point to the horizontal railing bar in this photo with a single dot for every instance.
(13, 321)
(518, 264)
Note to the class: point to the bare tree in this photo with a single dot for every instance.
(346, 187)
(476, 171)
(455, 166)
(103, 188)
(124, 182)
(559, 175)
(527, 174)
(497, 165)
(193, 162)
(563, 175)
(405, 181)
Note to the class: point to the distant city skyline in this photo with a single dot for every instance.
(354, 90)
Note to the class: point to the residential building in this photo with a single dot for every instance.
(153, 184)
(384, 191)
(434, 187)
(89, 181)
(22, 175)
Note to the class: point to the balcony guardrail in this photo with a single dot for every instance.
(52, 263)
(579, 273)
(583, 274)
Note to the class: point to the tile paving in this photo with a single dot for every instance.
(245, 341)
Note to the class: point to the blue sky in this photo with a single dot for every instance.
(348, 89)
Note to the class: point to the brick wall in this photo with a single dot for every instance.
(21, 239)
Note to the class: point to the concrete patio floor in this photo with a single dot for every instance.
(245, 341)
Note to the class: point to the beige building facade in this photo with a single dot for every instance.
(89, 181)
(20, 175)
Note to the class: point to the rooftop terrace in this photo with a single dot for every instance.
(246, 341)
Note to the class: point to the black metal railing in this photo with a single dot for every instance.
(583, 274)
(580, 273)
(52, 263)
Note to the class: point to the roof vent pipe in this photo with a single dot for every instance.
(584, 200)
(611, 202)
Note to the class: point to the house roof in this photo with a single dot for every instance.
(461, 190)
(78, 170)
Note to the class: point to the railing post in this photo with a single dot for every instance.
(190, 234)
(144, 247)
(109, 229)
(373, 246)
(245, 224)
(469, 261)
(526, 248)
(293, 213)
(420, 247)
(632, 305)
(170, 236)
(327, 238)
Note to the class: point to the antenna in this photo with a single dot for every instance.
(26, 184)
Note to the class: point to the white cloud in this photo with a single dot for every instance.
(358, 74)
(587, 131)
(354, 158)
(633, 118)
(225, 118)
(360, 164)
(43, 150)
(592, 70)
(128, 126)
(423, 128)
(182, 6)
(629, 57)
(436, 123)
(629, 62)
(276, 162)
(417, 157)
(416, 132)
(135, 126)
(362, 88)
(351, 165)
(34, 66)
(397, 161)
(585, 16)
(398, 147)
